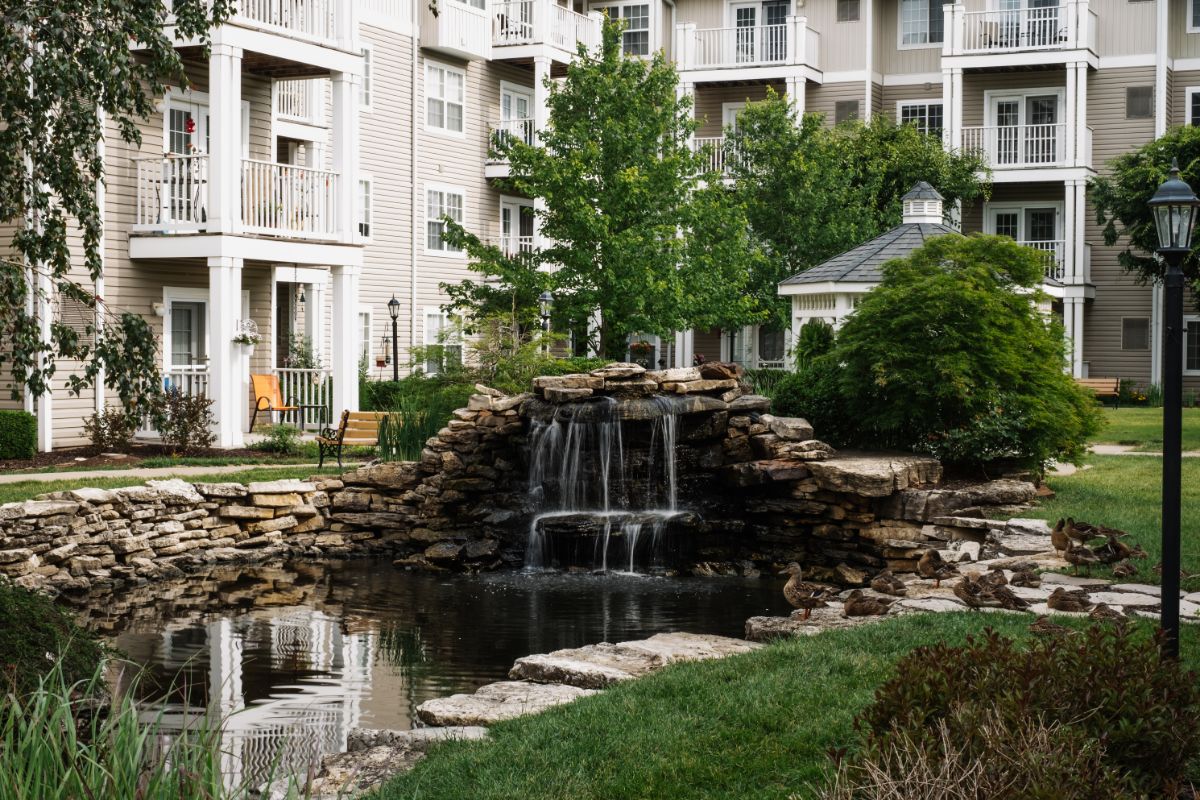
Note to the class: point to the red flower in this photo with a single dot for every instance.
(189, 126)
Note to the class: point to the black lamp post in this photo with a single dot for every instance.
(1174, 206)
(394, 312)
(545, 303)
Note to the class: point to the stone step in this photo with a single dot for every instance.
(497, 702)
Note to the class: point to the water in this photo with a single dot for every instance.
(299, 653)
(579, 472)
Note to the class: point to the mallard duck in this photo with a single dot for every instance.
(1080, 556)
(801, 594)
(1062, 599)
(931, 565)
(1026, 577)
(995, 577)
(1138, 552)
(1042, 626)
(1058, 535)
(860, 605)
(1126, 569)
(1105, 613)
(1113, 550)
(887, 583)
(1081, 532)
(979, 592)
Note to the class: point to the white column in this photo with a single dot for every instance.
(1083, 153)
(45, 403)
(1070, 222)
(956, 108)
(541, 120)
(345, 151)
(1070, 138)
(344, 356)
(1080, 204)
(795, 86)
(314, 318)
(225, 139)
(1077, 340)
(947, 106)
(226, 363)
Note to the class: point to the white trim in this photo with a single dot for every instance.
(369, 310)
(989, 108)
(1186, 319)
(1140, 60)
(369, 179)
(1189, 10)
(426, 188)
(189, 100)
(248, 248)
(183, 294)
(914, 79)
(927, 45)
(736, 107)
(290, 274)
(990, 208)
(1187, 103)
(848, 76)
(367, 85)
(434, 64)
(651, 19)
(932, 101)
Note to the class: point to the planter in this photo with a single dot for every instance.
(247, 349)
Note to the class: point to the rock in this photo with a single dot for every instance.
(418, 738)
(1016, 544)
(175, 491)
(633, 387)
(221, 489)
(619, 370)
(96, 497)
(934, 604)
(487, 390)
(675, 375)
(695, 387)
(1113, 598)
(479, 402)
(721, 370)
(46, 508)
(286, 486)
(578, 381)
(1061, 579)
(15, 555)
(502, 404)
(566, 395)
(1028, 527)
(874, 476)
(766, 629)
(590, 667)
(850, 576)
(749, 403)
(245, 512)
(970, 523)
(1143, 588)
(444, 551)
(496, 702)
(364, 768)
(793, 429)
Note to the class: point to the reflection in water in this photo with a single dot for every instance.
(298, 653)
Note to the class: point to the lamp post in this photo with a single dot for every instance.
(545, 303)
(394, 313)
(1174, 207)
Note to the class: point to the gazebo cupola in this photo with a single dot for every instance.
(922, 204)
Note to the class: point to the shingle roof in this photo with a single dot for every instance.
(861, 264)
(922, 191)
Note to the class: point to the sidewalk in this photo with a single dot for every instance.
(144, 473)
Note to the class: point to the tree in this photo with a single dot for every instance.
(1120, 200)
(637, 229)
(950, 355)
(67, 66)
(811, 192)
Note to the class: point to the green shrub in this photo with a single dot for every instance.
(815, 393)
(46, 635)
(766, 381)
(816, 338)
(184, 422)
(1121, 710)
(18, 434)
(111, 431)
(281, 439)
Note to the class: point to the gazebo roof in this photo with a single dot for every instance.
(862, 264)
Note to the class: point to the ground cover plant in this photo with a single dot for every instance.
(758, 726)
(45, 636)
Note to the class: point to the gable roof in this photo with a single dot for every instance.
(862, 264)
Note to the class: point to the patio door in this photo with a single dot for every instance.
(516, 226)
(185, 329)
(1033, 226)
(774, 43)
(1041, 26)
(1026, 129)
(516, 113)
(1041, 144)
(745, 33)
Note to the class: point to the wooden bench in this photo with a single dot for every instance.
(1103, 387)
(355, 429)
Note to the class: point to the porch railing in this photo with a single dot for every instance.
(717, 150)
(308, 387)
(1018, 146)
(1053, 252)
(538, 21)
(172, 193)
(311, 19)
(504, 131)
(1066, 26)
(300, 100)
(568, 28)
(191, 380)
(515, 245)
(285, 199)
(792, 42)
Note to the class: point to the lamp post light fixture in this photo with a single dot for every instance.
(1174, 207)
(394, 312)
(545, 303)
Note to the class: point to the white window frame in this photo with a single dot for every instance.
(181, 294)
(932, 101)
(989, 220)
(729, 114)
(445, 189)
(188, 100)
(366, 89)
(365, 345)
(442, 131)
(1187, 318)
(514, 201)
(926, 45)
(445, 320)
(1189, 93)
(651, 19)
(364, 212)
(992, 95)
(1191, 8)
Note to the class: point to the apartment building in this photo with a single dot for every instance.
(296, 186)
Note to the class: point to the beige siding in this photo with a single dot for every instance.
(1112, 133)
(707, 344)
(1182, 44)
(896, 61)
(977, 87)
(841, 47)
(1124, 27)
(1011, 194)
(823, 99)
(1179, 83)
(711, 99)
(892, 95)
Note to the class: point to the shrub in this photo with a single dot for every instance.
(18, 434)
(47, 635)
(184, 421)
(766, 381)
(816, 338)
(1126, 718)
(110, 431)
(281, 439)
(815, 393)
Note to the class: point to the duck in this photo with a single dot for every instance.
(1081, 532)
(1125, 569)
(1058, 535)
(802, 594)
(982, 592)
(1063, 600)
(1081, 556)
(1105, 613)
(1026, 577)
(887, 583)
(861, 605)
(931, 565)
(1042, 626)
(995, 577)
(1114, 550)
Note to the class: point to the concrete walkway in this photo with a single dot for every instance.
(141, 473)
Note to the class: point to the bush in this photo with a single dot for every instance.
(281, 439)
(184, 421)
(18, 434)
(1125, 719)
(816, 339)
(815, 393)
(47, 635)
(110, 431)
(766, 381)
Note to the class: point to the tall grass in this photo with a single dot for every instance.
(69, 741)
(766, 381)
(402, 434)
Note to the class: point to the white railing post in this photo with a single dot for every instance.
(595, 28)
(345, 152)
(225, 137)
(346, 24)
(795, 40)
(949, 30)
(540, 21)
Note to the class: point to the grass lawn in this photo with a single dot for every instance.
(13, 492)
(1142, 428)
(1126, 492)
(754, 726)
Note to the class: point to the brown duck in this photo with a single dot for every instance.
(1080, 556)
(1026, 577)
(802, 594)
(984, 592)
(1058, 535)
(1063, 600)
(887, 583)
(861, 605)
(1125, 569)
(931, 565)
(1042, 626)
(1105, 613)
(1113, 550)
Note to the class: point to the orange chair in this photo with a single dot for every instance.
(267, 396)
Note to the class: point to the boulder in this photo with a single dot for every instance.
(675, 375)
(496, 702)
(577, 381)
(619, 370)
(792, 429)
(566, 395)
(749, 403)
(721, 370)
(696, 387)
(286, 486)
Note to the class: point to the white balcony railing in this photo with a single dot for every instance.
(716, 149)
(457, 28)
(283, 199)
(300, 101)
(172, 193)
(509, 130)
(1067, 26)
(1053, 252)
(568, 28)
(750, 46)
(309, 19)
(516, 245)
(190, 380)
(1018, 146)
(312, 390)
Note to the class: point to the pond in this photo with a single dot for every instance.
(296, 654)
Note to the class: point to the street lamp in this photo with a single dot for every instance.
(545, 303)
(1174, 207)
(394, 313)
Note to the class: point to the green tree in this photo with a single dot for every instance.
(1120, 200)
(637, 229)
(950, 355)
(65, 67)
(811, 192)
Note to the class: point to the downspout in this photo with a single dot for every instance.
(412, 178)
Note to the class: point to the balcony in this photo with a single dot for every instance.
(1053, 253)
(516, 245)
(716, 151)
(458, 29)
(738, 48)
(300, 101)
(275, 199)
(498, 134)
(1006, 147)
(1069, 26)
(317, 21)
(542, 22)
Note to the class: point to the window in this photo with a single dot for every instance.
(1191, 345)
(364, 93)
(445, 97)
(364, 335)
(1135, 333)
(847, 10)
(189, 345)
(1139, 102)
(443, 341)
(1193, 16)
(364, 208)
(1193, 105)
(635, 40)
(925, 115)
(921, 22)
(844, 111)
(184, 130)
(441, 203)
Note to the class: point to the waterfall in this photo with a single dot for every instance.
(583, 474)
